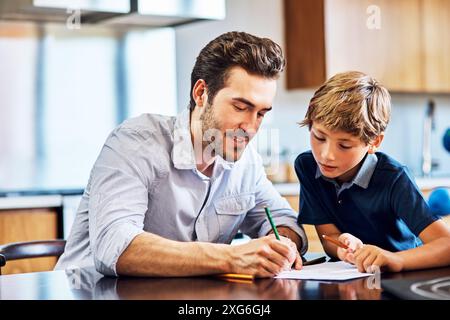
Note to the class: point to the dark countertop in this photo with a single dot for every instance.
(41, 192)
(82, 284)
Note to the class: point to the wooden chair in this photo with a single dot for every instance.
(32, 249)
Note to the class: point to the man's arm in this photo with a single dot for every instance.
(152, 255)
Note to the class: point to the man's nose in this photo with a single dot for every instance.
(250, 124)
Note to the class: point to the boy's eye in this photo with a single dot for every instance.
(318, 138)
(345, 147)
(261, 115)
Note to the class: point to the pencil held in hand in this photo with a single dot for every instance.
(336, 242)
(274, 227)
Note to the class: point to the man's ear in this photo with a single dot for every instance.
(199, 93)
(375, 144)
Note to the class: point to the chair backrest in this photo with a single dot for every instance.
(32, 249)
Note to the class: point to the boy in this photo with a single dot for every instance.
(358, 196)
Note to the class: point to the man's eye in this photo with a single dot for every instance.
(345, 147)
(261, 115)
(239, 109)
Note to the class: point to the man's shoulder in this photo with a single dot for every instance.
(149, 125)
(143, 133)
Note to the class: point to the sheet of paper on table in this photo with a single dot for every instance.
(325, 271)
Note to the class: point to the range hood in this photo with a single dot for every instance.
(91, 11)
(169, 13)
(144, 13)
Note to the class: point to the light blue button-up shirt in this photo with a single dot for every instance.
(145, 179)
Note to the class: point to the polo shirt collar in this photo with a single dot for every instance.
(364, 174)
(366, 171)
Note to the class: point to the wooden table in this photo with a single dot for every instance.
(84, 284)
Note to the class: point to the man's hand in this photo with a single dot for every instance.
(263, 257)
(353, 244)
(368, 256)
(290, 237)
(297, 262)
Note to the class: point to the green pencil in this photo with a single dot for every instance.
(274, 228)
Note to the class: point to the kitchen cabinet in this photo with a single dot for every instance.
(29, 224)
(436, 37)
(402, 43)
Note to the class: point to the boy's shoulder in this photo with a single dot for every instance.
(388, 163)
(305, 158)
(388, 166)
(305, 163)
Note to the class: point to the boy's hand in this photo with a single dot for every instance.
(353, 244)
(368, 256)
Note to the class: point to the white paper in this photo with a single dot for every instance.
(325, 271)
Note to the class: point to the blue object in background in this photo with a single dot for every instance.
(439, 201)
(446, 140)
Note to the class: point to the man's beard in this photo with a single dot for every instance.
(214, 139)
(211, 135)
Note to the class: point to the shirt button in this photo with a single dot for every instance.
(339, 201)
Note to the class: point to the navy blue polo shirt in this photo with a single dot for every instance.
(381, 206)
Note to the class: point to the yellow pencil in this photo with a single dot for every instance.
(236, 276)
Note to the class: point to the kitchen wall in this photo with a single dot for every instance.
(63, 91)
(265, 18)
(18, 76)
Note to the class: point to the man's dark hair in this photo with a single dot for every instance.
(257, 56)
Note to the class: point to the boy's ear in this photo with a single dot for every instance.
(375, 144)
(199, 92)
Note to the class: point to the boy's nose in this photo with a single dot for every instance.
(328, 153)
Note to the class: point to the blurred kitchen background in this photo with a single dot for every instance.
(70, 71)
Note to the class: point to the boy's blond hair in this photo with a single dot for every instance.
(352, 102)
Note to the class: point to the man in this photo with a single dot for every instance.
(167, 195)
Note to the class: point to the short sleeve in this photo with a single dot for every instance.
(409, 205)
(312, 209)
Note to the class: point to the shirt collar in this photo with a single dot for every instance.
(183, 156)
(183, 151)
(364, 174)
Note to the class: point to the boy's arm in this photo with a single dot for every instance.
(435, 251)
(334, 251)
(332, 231)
